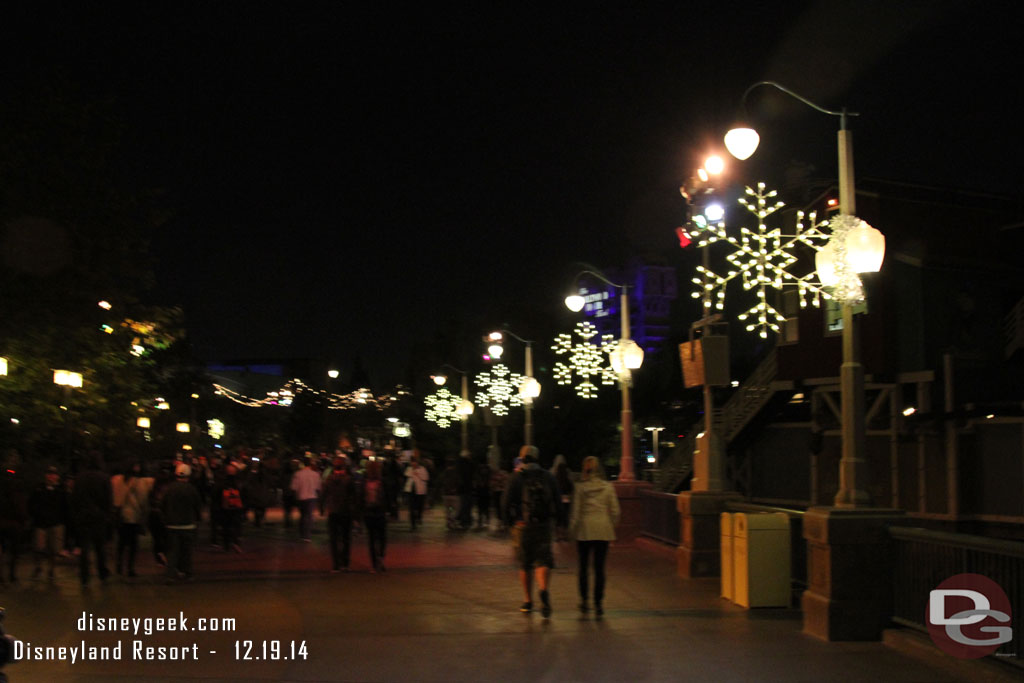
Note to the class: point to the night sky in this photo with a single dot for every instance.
(347, 181)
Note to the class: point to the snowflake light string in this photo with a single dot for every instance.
(443, 408)
(584, 359)
(761, 258)
(499, 389)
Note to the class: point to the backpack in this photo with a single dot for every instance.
(373, 495)
(537, 500)
(231, 499)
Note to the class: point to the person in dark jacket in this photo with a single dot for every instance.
(92, 504)
(14, 517)
(529, 507)
(466, 469)
(181, 509)
(374, 502)
(341, 503)
(48, 507)
(227, 498)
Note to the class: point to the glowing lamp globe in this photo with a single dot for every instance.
(714, 212)
(575, 303)
(439, 380)
(530, 388)
(825, 264)
(714, 164)
(865, 248)
(142, 423)
(465, 408)
(626, 355)
(495, 350)
(742, 142)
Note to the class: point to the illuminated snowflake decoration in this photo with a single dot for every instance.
(443, 408)
(499, 389)
(761, 260)
(584, 359)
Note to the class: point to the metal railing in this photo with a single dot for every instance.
(924, 559)
(661, 517)
(750, 397)
(1013, 328)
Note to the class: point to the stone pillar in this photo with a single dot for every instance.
(631, 504)
(699, 553)
(849, 572)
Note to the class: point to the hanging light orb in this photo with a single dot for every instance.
(495, 350)
(439, 380)
(575, 303)
(530, 388)
(742, 141)
(865, 248)
(625, 355)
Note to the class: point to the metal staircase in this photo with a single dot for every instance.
(748, 400)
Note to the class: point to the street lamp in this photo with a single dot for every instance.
(465, 407)
(529, 389)
(3, 366)
(655, 431)
(841, 262)
(67, 379)
(625, 356)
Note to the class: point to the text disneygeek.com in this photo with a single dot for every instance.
(137, 648)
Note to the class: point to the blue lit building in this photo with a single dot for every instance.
(652, 289)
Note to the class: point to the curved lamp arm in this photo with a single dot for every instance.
(841, 114)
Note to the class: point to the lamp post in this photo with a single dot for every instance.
(853, 490)
(67, 379)
(707, 458)
(465, 408)
(530, 387)
(655, 431)
(626, 356)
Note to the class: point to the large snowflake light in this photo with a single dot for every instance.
(499, 389)
(585, 359)
(443, 407)
(761, 259)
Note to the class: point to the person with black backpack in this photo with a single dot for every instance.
(529, 507)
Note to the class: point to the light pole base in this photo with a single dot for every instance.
(700, 545)
(849, 571)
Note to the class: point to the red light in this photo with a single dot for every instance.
(832, 203)
(684, 238)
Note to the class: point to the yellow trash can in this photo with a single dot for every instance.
(761, 559)
(728, 584)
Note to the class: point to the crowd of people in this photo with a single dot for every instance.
(79, 516)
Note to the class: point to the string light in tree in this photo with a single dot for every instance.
(285, 396)
(585, 359)
(443, 407)
(499, 389)
(762, 260)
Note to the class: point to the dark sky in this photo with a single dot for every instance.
(346, 180)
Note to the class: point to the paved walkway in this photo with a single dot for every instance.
(445, 610)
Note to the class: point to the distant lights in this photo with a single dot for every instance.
(909, 410)
(105, 305)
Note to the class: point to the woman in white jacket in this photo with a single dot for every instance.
(595, 512)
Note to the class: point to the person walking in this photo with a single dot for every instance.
(306, 485)
(375, 514)
(48, 506)
(466, 469)
(482, 493)
(416, 480)
(227, 499)
(341, 504)
(565, 486)
(181, 509)
(134, 510)
(595, 512)
(530, 510)
(14, 514)
(92, 505)
(157, 528)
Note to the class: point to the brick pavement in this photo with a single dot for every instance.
(446, 610)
